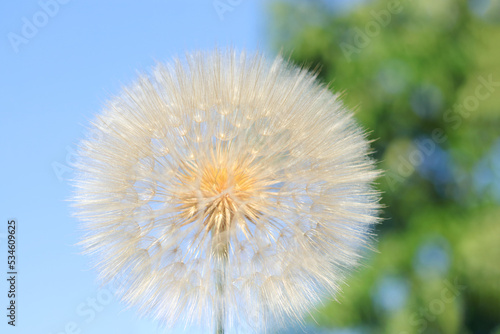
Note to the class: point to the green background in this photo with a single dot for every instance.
(424, 79)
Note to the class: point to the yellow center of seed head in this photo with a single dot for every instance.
(222, 193)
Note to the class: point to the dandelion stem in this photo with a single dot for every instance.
(221, 259)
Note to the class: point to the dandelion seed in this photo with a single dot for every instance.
(226, 189)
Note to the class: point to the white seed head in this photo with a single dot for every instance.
(226, 156)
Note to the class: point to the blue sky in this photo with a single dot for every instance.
(59, 65)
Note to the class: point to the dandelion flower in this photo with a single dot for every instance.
(225, 188)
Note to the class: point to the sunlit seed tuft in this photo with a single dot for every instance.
(226, 188)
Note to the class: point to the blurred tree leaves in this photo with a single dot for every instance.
(424, 78)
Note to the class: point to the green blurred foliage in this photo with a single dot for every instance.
(424, 78)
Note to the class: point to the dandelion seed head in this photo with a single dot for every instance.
(230, 158)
